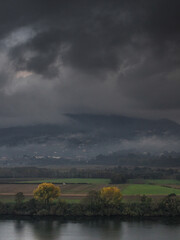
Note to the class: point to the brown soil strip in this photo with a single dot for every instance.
(30, 194)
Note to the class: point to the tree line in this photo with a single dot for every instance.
(106, 202)
(117, 174)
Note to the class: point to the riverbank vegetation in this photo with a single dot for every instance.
(106, 202)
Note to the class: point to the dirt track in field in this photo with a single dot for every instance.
(62, 195)
(66, 190)
(14, 188)
(70, 190)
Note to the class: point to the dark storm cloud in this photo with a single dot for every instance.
(120, 57)
(45, 48)
(98, 31)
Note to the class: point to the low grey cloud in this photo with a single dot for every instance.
(103, 57)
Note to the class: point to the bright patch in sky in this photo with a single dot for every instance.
(23, 74)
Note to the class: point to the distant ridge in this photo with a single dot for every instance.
(97, 126)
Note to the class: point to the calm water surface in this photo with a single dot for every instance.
(89, 230)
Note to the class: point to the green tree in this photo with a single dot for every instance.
(93, 199)
(170, 205)
(46, 192)
(19, 198)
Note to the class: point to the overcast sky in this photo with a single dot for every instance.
(101, 57)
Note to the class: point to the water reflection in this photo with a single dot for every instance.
(99, 229)
(19, 225)
(93, 229)
(45, 230)
(38, 229)
(103, 228)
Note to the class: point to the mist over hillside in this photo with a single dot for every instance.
(85, 136)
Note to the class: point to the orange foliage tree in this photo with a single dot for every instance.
(46, 192)
(111, 195)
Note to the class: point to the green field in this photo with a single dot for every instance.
(77, 188)
(76, 192)
(140, 189)
(155, 181)
(11, 199)
(72, 200)
(163, 181)
(71, 180)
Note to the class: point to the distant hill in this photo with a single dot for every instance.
(85, 136)
(96, 127)
(125, 127)
(93, 126)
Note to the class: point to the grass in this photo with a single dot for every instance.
(7, 199)
(70, 180)
(70, 200)
(11, 198)
(140, 189)
(163, 181)
(155, 181)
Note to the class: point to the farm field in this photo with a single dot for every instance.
(27, 189)
(148, 189)
(11, 198)
(74, 192)
(70, 180)
(155, 181)
(163, 181)
(72, 200)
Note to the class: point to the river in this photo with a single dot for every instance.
(99, 229)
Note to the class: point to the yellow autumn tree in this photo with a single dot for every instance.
(111, 195)
(46, 192)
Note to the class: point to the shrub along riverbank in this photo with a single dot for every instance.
(93, 205)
